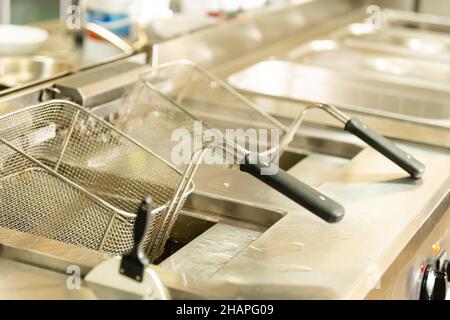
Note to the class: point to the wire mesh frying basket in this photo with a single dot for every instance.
(69, 176)
(203, 97)
(176, 101)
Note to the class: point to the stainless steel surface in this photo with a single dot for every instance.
(390, 78)
(52, 260)
(403, 278)
(15, 99)
(20, 70)
(257, 35)
(100, 85)
(23, 281)
(426, 128)
(142, 43)
(418, 22)
(375, 231)
(212, 250)
(62, 48)
(87, 178)
(394, 40)
(373, 62)
(297, 82)
(219, 208)
(110, 36)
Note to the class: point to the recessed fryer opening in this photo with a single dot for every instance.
(186, 229)
(289, 159)
(213, 224)
(210, 226)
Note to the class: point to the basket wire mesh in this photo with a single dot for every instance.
(174, 95)
(69, 176)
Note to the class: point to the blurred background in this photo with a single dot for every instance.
(26, 11)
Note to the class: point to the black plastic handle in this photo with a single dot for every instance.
(404, 160)
(132, 264)
(306, 196)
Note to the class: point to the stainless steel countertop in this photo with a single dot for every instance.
(300, 256)
(62, 48)
(384, 209)
(24, 281)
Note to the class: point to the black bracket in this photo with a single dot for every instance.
(133, 263)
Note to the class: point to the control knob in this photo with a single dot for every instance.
(434, 284)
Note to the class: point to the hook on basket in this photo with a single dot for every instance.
(133, 263)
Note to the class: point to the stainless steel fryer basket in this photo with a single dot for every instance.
(209, 99)
(151, 110)
(69, 176)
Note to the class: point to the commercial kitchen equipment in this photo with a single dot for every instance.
(173, 91)
(234, 238)
(78, 180)
(138, 280)
(159, 116)
(190, 87)
(60, 54)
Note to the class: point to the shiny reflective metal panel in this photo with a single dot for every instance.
(403, 278)
(212, 250)
(98, 86)
(417, 22)
(302, 83)
(392, 66)
(19, 70)
(385, 72)
(221, 46)
(397, 40)
(64, 52)
(220, 208)
(211, 230)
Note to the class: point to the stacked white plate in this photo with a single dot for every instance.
(16, 39)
